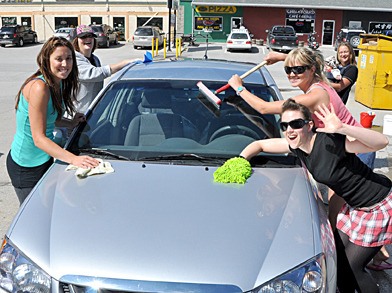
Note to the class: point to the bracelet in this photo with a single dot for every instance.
(239, 90)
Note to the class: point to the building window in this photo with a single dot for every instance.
(10, 20)
(301, 19)
(208, 23)
(60, 22)
(155, 21)
(26, 21)
(96, 20)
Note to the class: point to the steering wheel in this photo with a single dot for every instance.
(234, 129)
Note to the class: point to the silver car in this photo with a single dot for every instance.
(159, 222)
(66, 32)
(144, 36)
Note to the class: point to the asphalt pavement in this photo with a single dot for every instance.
(16, 64)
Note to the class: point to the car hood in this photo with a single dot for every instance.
(167, 223)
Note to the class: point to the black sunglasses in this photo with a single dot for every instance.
(294, 124)
(296, 69)
(87, 36)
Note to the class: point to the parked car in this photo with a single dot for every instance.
(388, 32)
(350, 35)
(17, 35)
(66, 32)
(282, 38)
(159, 222)
(143, 36)
(105, 35)
(239, 39)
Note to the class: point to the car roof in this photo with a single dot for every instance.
(352, 30)
(194, 69)
(239, 30)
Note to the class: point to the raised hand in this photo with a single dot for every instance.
(331, 122)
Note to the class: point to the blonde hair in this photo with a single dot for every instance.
(310, 58)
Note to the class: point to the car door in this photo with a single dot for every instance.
(23, 33)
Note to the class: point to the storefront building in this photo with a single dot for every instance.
(218, 17)
(45, 16)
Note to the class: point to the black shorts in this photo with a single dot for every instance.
(26, 177)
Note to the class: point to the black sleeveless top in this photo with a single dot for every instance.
(344, 172)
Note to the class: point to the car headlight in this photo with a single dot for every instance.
(18, 274)
(309, 277)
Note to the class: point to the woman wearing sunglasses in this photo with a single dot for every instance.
(365, 222)
(305, 70)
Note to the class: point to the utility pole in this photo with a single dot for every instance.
(169, 5)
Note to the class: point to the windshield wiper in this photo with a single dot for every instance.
(102, 152)
(184, 157)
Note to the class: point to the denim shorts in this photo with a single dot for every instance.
(368, 159)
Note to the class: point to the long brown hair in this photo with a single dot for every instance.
(66, 93)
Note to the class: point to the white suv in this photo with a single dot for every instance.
(239, 39)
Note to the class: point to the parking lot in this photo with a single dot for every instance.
(17, 63)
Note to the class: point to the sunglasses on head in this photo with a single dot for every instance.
(294, 124)
(296, 69)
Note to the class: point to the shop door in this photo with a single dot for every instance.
(236, 22)
(119, 27)
(327, 33)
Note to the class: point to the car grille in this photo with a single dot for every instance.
(83, 284)
(67, 288)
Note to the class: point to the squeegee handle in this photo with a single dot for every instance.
(221, 89)
(226, 86)
(253, 69)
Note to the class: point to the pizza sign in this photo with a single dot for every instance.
(216, 9)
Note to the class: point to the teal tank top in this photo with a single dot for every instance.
(23, 150)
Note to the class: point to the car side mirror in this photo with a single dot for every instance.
(251, 35)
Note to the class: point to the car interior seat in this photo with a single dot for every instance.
(157, 122)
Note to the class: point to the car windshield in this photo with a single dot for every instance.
(7, 29)
(97, 29)
(65, 30)
(140, 120)
(283, 30)
(143, 32)
(239, 36)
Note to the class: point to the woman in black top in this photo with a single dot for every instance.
(348, 70)
(365, 222)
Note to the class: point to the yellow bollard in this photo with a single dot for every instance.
(176, 45)
(152, 47)
(156, 46)
(179, 46)
(164, 48)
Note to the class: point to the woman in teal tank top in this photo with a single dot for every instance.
(40, 104)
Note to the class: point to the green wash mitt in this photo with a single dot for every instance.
(234, 170)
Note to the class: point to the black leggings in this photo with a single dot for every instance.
(352, 261)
